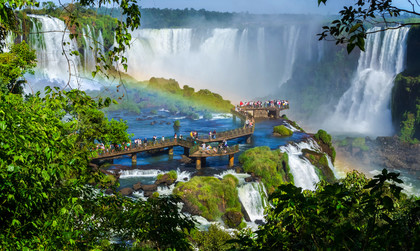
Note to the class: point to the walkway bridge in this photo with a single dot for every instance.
(191, 147)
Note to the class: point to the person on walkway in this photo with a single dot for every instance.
(214, 134)
(163, 139)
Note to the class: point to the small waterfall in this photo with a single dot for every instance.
(364, 107)
(183, 175)
(240, 176)
(303, 171)
(89, 46)
(254, 199)
(139, 173)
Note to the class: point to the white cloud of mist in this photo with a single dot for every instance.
(260, 6)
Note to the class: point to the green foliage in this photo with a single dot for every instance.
(324, 138)
(405, 105)
(360, 143)
(177, 123)
(282, 131)
(354, 213)
(45, 146)
(408, 128)
(271, 166)
(343, 143)
(351, 27)
(13, 65)
(214, 239)
(210, 196)
(207, 115)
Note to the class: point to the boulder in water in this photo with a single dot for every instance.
(232, 218)
(166, 179)
(152, 187)
(137, 186)
(126, 191)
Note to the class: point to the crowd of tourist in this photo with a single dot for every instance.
(222, 147)
(265, 104)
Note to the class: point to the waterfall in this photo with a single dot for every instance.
(364, 107)
(303, 171)
(89, 52)
(256, 59)
(290, 42)
(52, 62)
(254, 199)
(139, 173)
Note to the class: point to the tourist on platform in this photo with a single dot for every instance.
(180, 136)
(214, 134)
(163, 138)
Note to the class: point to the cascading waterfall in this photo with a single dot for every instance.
(252, 195)
(52, 63)
(364, 107)
(290, 41)
(254, 58)
(89, 53)
(303, 171)
(254, 199)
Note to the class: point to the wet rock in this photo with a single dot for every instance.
(259, 222)
(245, 213)
(153, 123)
(190, 208)
(168, 123)
(165, 180)
(152, 188)
(232, 218)
(126, 191)
(137, 186)
(249, 179)
(148, 193)
(109, 191)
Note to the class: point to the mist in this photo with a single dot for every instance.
(241, 62)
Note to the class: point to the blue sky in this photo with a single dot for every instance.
(257, 6)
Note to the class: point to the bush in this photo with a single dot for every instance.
(177, 123)
(207, 115)
(213, 239)
(209, 196)
(271, 166)
(282, 131)
(360, 143)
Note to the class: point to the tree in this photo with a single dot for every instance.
(352, 26)
(354, 213)
(13, 65)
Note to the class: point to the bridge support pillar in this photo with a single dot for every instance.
(198, 163)
(186, 151)
(231, 160)
(134, 158)
(171, 151)
(248, 140)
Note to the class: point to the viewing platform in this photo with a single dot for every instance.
(264, 112)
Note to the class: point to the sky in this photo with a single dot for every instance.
(258, 6)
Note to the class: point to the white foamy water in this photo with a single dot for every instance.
(364, 107)
(240, 176)
(254, 199)
(139, 173)
(303, 171)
